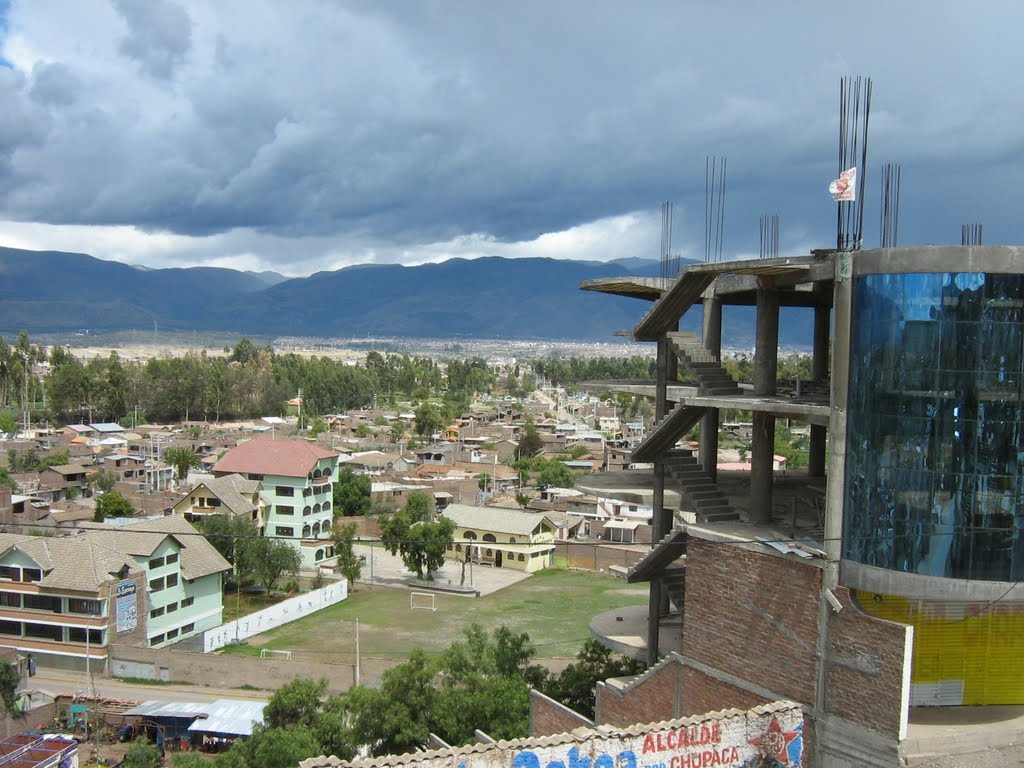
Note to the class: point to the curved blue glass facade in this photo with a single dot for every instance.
(935, 439)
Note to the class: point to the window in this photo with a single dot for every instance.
(156, 640)
(470, 535)
(172, 558)
(188, 628)
(458, 547)
(327, 506)
(77, 635)
(490, 537)
(156, 613)
(10, 628)
(156, 562)
(43, 603)
(284, 531)
(171, 634)
(285, 509)
(172, 580)
(307, 511)
(31, 574)
(172, 607)
(319, 554)
(187, 602)
(44, 631)
(316, 529)
(307, 531)
(155, 585)
(11, 572)
(284, 490)
(88, 607)
(511, 539)
(521, 558)
(10, 599)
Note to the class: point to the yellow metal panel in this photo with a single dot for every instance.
(980, 644)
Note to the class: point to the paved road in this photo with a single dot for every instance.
(54, 682)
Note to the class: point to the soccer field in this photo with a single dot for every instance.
(554, 607)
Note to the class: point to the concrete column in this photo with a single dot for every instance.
(708, 453)
(766, 359)
(819, 370)
(661, 380)
(656, 596)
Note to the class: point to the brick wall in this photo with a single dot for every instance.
(598, 557)
(753, 616)
(650, 699)
(672, 689)
(548, 717)
(865, 672)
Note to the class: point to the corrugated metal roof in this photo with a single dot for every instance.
(230, 716)
(224, 716)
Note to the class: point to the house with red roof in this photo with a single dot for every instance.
(297, 483)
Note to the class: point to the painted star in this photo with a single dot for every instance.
(775, 742)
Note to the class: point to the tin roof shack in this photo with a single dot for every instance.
(210, 726)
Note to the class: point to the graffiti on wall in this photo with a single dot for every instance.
(275, 616)
(770, 740)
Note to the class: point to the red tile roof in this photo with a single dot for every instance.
(289, 458)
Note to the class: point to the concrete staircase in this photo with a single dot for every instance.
(667, 431)
(692, 355)
(697, 487)
(673, 582)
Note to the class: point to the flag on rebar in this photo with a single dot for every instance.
(845, 187)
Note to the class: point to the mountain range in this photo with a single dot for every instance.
(57, 292)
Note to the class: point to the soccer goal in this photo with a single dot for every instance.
(267, 653)
(424, 600)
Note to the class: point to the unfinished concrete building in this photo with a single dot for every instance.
(887, 575)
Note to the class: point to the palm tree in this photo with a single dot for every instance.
(182, 458)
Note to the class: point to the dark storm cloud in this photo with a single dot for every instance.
(407, 124)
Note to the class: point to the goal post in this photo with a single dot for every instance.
(424, 600)
(268, 653)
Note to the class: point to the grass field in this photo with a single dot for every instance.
(554, 607)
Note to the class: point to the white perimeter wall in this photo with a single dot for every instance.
(278, 615)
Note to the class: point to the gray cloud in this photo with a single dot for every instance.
(375, 129)
(159, 34)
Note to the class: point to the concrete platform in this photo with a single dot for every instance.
(936, 732)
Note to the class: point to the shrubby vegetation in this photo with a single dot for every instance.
(480, 682)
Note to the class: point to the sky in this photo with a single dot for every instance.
(311, 135)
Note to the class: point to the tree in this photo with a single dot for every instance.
(112, 504)
(6, 479)
(191, 759)
(420, 542)
(557, 474)
(8, 422)
(576, 685)
(296, 703)
(278, 747)
(10, 679)
(270, 559)
(349, 564)
(351, 493)
(142, 754)
(428, 419)
(530, 444)
(103, 480)
(522, 499)
(395, 718)
(229, 534)
(182, 458)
